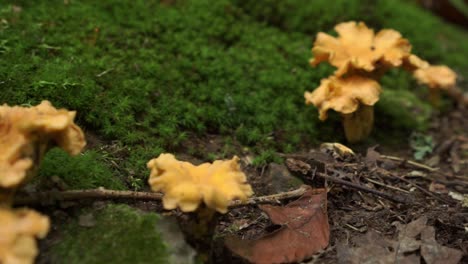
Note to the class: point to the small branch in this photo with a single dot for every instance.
(413, 163)
(274, 198)
(386, 186)
(391, 197)
(42, 198)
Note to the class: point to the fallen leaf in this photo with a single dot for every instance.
(372, 156)
(438, 187)
(407, 236)
(304, 231)
(374, 248)
(433, 253)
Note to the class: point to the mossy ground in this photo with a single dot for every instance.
(152, 76)
(121, 234)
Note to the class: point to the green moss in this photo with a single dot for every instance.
(266, 157)
(402, 110)
(306, 16)
(151, 75)
(85, 171)
(120, 235)
(431, 38)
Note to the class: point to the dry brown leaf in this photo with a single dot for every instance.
(304, 231)
(434, 253)
(375, 248)
(372, 156)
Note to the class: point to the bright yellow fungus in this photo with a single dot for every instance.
(27, 132)
(353, 97)
(413, 62)
(361, 57)
(186, 186)
(436, 77)
(358, 48)
(18, 232)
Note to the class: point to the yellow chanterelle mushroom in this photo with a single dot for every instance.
(18, 232)
(27, 132)
(187, 186)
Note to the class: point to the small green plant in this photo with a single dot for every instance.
(266, 157)
(421, 144)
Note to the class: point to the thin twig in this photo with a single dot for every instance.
(421, 189)
(386, 186)
(104, 72)
(413, 163)
(274, 198)
(387, 174)
(40, 198)
(394, 198)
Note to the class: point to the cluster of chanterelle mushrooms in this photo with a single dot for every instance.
(26, 133)
(361, 58)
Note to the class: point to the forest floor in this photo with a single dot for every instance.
(207, 80)
(361, 223)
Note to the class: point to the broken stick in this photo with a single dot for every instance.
(43, 198)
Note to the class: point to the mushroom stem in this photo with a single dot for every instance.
(198, 228)
(434, 97)
(358, 125)
(6, 196)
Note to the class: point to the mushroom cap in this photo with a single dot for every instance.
(413, 62)
(436, 77)
(25, 129)
(186, 186)
(18, 230)
(343, 94)
(357, 47)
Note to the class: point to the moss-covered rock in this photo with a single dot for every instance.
(118, 234)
